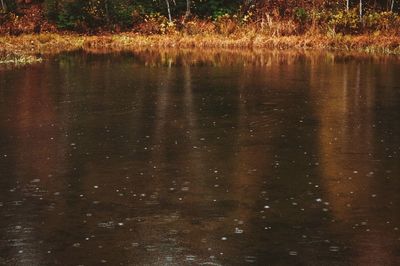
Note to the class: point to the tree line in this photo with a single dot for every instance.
(70, 14)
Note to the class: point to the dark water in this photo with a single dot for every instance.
(202, 159)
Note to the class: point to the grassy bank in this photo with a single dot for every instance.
(131, 25)
(29, 48)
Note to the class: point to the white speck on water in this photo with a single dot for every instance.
(250, 259)
(238, 231)
(210, 263)
(333, 248)
(293, 253)
(318, 200)
(266, 207)
(224, 238)
(190, 258)
(108, 225)
(151, 248)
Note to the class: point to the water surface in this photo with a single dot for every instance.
(179, 158)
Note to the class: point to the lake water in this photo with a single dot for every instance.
(201, 158)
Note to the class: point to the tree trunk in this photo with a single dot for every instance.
(107, 11)
(3, 6)
(169, 10)
(188, 5)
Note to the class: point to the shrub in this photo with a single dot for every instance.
(75, 14)
(339, 21)
(383, 21)
(196, 26)
(226, 24)
(154, 24)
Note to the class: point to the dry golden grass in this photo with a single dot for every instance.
(30, 45)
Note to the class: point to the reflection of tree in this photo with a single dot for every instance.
(345, 100)
(38, 155)
(182, 160)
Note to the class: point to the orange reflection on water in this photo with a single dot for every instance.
(345, 100)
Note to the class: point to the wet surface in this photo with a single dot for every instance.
(179, 159)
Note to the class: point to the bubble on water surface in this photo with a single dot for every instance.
(190, 258)
(109, 225)
(151, 248)
(334, 248)
(250, 259)
(238, 231)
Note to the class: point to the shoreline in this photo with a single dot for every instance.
(29, 48)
